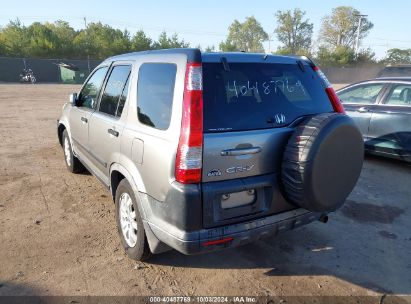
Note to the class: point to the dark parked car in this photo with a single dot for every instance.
(398, 70)
(382, 110)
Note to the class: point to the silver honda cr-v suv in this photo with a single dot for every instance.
(203, 151)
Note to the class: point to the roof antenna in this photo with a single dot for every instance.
(265, 57)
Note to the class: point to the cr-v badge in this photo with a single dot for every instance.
(239, 169)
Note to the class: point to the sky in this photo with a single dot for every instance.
(205, 23)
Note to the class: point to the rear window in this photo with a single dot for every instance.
(259, 95)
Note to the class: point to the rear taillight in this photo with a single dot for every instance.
(335, 101)
(190, 146)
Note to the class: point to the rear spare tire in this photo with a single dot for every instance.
(322, 162)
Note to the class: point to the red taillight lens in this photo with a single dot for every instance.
(335, 101)
(190, 147)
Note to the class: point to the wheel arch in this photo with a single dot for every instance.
(62, 124)
(60, 129)
(119, 172)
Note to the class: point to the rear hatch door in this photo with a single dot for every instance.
(250, 109)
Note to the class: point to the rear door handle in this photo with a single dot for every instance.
(83, 119)
(363, 110)
(113, 132)
(241, 151)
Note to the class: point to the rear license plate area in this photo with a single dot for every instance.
(238, 199)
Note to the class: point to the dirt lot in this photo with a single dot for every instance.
(58, 234)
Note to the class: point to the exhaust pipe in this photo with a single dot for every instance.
(323, 218)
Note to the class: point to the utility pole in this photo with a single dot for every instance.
(357, 41)
(270, 37)
(87, 45)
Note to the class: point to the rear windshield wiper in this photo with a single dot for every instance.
(225, 64)
(301, 65)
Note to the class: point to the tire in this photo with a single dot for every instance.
(139, 249)
(72, 162)
(322, 162)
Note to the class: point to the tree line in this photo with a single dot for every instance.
(337, 44)
(60, 40)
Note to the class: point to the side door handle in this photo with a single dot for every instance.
(363, 110)
(241, 151)
(84, 119)
(113, 132)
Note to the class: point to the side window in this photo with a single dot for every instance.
(400, 95)
(123, 98)
(116, 84)
(362, 94)
(155, 92)
(89, 94)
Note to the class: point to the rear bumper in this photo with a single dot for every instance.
(242, 233)
(182, 222)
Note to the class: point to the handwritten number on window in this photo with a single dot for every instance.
(266, 87)
(255, 87)
(233, 88)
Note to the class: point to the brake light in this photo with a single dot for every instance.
(332, 96)
(189, 157)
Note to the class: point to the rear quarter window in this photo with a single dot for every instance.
(155, 91)
(253, 96)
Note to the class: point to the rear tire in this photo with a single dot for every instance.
(72, 162)
(129, 223)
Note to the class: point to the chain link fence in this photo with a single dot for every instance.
(46, 70)
(75, 71)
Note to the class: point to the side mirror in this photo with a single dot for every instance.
(73, 99)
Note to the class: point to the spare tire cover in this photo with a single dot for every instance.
(322, 162)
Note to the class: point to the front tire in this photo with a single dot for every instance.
(72, 162)
(129, 223)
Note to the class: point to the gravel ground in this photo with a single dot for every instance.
(58, 234)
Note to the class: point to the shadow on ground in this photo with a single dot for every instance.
(17, 289)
